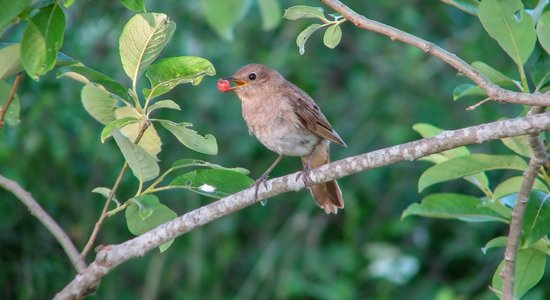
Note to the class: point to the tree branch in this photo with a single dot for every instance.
(538, 158)
(111, 256)
(14, 87)
(493, 91)
(42, 216)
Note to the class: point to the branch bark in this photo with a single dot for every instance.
(493, 91)
(111, 256)
(42, 216)
(538, 158)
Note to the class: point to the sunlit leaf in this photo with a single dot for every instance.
(216, 183)
(143, 165)
(163, 104)
(512, 185)
(150, 141)
(167, 73)
(42, 39)
(10, 61)
(302, 11)
(119, 123)
(494, 75)
(332, 36)
(12, 114)
(142, 40)
(507, 22)
(518, 144)
(497, 242)
(543, 31)
(304, 36)
(147, 213)
(134, 5)
(462, 166)
(10, 10)
(189, 137)
(271, 13)
(223, 15)
(98, 103)
(91, 76)
(453, 206)
(530, 264)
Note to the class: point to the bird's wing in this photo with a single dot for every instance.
(311, 116)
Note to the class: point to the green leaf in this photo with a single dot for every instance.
(142, 40)
(190, 138)
(462, 166)
(215, 183)
(518, 144)
(302, 11)
(507, 22)
(134, 5)
(12, 115)
(494, 75)
(10, 10)
(497, 242)
(188, 162)
(143, 164)
(428, 130)
(332, 36)
(163, 104)
(223, 15)
(103, 191)
(98, 103)
(543, 31)
(469, 6)
(537, 217)
(91, 76)
(512, 185)
(150, 141)
(167, 73)
(466, 89)
(108, 129)
(10, 61)
(530, 264)
(147, 213)
(41, 40)
(453, 206)
(271, 13)
(304, 36)
(540, 71)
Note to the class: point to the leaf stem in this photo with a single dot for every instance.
(11, 96)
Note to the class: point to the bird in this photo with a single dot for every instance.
(287, 121)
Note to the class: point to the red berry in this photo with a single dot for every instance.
(224, 85)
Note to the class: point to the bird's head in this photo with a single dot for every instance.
(250, 78)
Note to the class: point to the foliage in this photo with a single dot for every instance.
(378, 90)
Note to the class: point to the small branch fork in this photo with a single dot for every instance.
(111, 256)
(494, 92)
(538, 158)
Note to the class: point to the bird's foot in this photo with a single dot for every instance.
(304, 174)
(257, 183)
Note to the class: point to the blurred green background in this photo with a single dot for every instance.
(371, 89)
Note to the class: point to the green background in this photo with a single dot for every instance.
(371, 89)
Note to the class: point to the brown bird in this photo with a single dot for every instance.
(288, 122)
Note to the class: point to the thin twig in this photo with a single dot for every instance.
(538, 158)
(11, 96)
(109, 257)
(472, 107)
(104, 212)
(42, 216)
(493, 91)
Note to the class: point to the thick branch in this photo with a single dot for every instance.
(37, 211)
(113, 255)
(538, 158)
(493, 91)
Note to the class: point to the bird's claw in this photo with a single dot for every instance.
(304, 174)
(257, 183)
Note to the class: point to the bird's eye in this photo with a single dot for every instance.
(252, 76)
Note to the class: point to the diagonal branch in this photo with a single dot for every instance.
(493, 91)
(37, 211)
(111, 256)
(538, 158)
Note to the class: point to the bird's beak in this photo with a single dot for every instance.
(239, 83)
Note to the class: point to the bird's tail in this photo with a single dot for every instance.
(327, 195)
